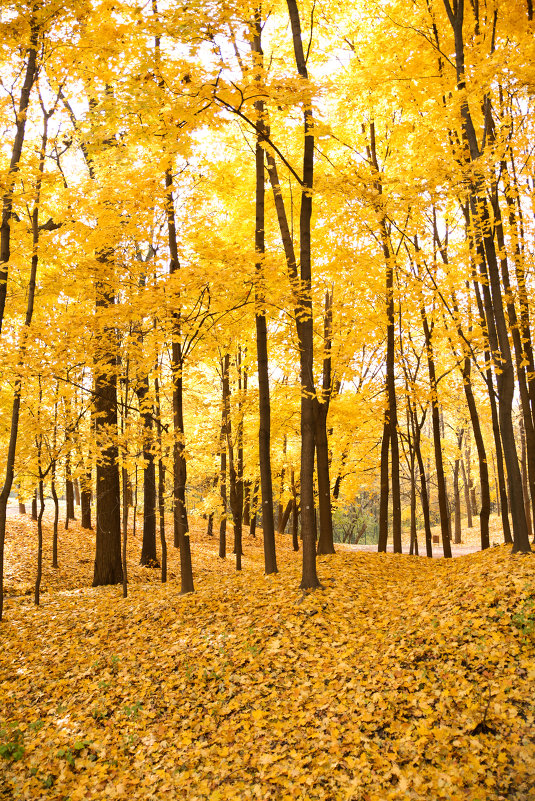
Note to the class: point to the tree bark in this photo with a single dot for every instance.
(456, 492)
(180, 516)
(108, 559)
(325, 541)
(225, 412)
(435, 417)
(85, 499)
(149, 556)
(16, 152)
(384, 487)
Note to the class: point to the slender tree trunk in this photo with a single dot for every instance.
(180, 517)
(295, 515)
(161, 479)
(149, 556)
(235, 482)
(56, 515)
(85, 499)
(496, 485)
(304, 321)
(37, 587)
(325, 541)
(225, 412)
(125, 531)
(264, 431)
(414, 534)
(484, 482)
(69, 488)
(5, 252)
(16, 152)
(468, 503)
(441, 482)
(390, 369)
(383, 500)
(456, 492)
(246, 504)
(525, 483)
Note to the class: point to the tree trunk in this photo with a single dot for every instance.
(391, 414)
(16, 152)
(383, 499)
(225, 412)
(435, 417)
(180, 517)
(37, 587)
(295, 515)
(149, 556)
(108, 560)
(484, 482)
(325, 541)
(264, 407)
(161, 478)
(85, 499)
(69, 488)
(456, 492)
(525, 483)
(56, 515)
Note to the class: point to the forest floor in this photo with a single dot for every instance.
(402, 678)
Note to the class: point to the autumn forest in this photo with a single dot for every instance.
(267, 291)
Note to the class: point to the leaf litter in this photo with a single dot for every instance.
(402, 678)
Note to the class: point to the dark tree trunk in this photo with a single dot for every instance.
(391, 408)
(525, 483)
(414, 535)
(34, 505)
(108, 561)
(235, 482)
(69, 490)
(295, 515)
(468, 503)
(435, 417)
(22, 508)
(85, 499)
(39, 575)
(56, 515)
(225, 412)
(264, 431)
(484, 483)
(325, 541)
(456, 492)
(125, 531)
(246, 503)
(302, 286)
(16, 151)
(161, 479)
(180, 517)
(149, 556)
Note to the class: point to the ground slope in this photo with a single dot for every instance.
(403, 678)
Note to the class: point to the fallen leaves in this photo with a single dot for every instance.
(402, 678)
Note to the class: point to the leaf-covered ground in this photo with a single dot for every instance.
(403, 678)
